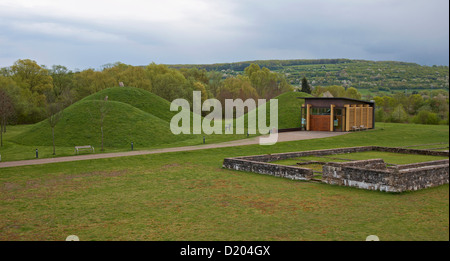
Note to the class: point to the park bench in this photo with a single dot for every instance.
(360, 128)
(87, 147)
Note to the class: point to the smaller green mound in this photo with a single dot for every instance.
(123, 124)
(289, 108)
(141, 99)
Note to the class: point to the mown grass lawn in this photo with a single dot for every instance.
(189, 196)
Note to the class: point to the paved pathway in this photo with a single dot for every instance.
(285, 136)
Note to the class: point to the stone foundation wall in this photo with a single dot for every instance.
(420, 164)
(411, 151)
(367, 174)
(420, 176)
(290, 172)
(360, 178)
(370, 174)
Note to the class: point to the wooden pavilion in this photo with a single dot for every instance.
(337, 114)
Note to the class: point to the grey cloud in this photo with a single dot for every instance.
(413, 31)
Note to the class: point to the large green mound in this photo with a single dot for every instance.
(141, 99)
(134, 115)
(123, 123)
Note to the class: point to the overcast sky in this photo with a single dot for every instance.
(85, 34)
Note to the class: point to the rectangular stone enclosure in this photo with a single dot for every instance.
(372, 174)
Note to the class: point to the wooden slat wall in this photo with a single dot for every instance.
(358, 116)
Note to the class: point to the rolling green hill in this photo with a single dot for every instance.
(133, 116)
(366, 76)
(146, 101)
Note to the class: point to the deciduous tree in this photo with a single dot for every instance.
(352, 93)
(35, 85)
(103, 109)
(6, 110)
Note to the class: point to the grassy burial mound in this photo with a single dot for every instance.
(133, 115)
(138, 116)
(141, 99)
(288, 110)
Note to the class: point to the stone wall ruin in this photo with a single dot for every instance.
(372, 174)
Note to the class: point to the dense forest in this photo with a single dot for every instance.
(403, 92)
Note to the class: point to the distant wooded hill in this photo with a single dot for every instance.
(374, 76)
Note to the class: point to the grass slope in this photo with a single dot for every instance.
(141, 99)
(136, 116)
(123, 124)
(288, 110)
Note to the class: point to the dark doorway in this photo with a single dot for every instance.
(338, 119)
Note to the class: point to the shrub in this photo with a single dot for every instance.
(426, 117)
(380, 115)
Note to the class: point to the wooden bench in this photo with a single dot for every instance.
(360, 128)
(355, 128)
(87, 147)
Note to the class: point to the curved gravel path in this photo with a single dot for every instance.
(284, 136)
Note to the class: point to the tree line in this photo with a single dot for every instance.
(32, 90)
(270, 64)
(424, 107)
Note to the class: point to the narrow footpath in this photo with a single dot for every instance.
(282, 137)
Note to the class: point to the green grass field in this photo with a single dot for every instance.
(189, 196)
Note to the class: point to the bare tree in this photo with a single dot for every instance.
(104, 109)
(54, 115)
(98, 116)
(6, 110)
